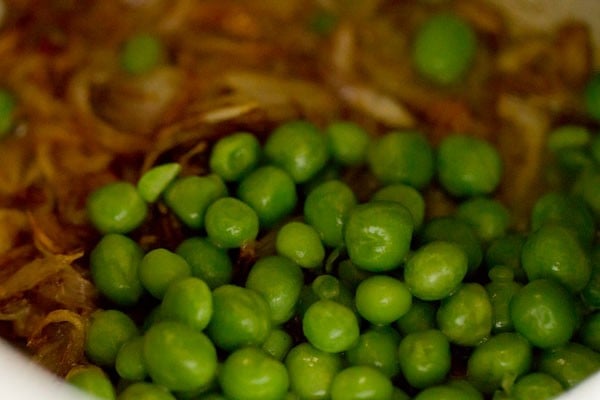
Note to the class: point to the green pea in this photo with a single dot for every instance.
(536, 386)
(280, 281)
(361, 382)
(146, 391)
(325, 287)
(435, 270)
(589, 332)
(326, 208)
(93, 381)
(448, 392)
(402, 157)
(469, 391)
(271, 192)
(311, 371)
(251, 374)
(506, 251)
(466, 316)
(234, 156)
(378, 235)
(382, 299)
(424, 357)
(587, 188)
(444, 48)
(544, 313)
(116, 208)
(114, 264)
(420, 317)
(208, 262)
(468, 166)
(591, 96)
(179, 357)
(330, 326)
(501, 289)
(189, 197)
(142, 53)
(350, 275)
(489, 218)
(188, 301)
(129, 362)
(156, 180)
(241, 317)
(8, 105)
(399, 394)
(569, 364)
(406, 195)
(278, 344)
(347, 142)
(298, 147)
(231, 223)
(107, 331)
(498, 362)
(160, 268)
(377, 347)
(300, 243)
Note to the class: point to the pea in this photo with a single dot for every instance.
(93, 381)
(402, 157)
(330, 326)
(361, 382)
(179, 357)
(231, 223)
(420, 317)
(590, 331)
(544, 313)
(7, 111)
(536, 386)
(277, 344)
(382, 299)
(424, 357)
(207, 261)
(234, 156)
(325, 287)
(448, 392)
(591, 96)
(159, 268)
(156, 180)
(569, 364)
(300, 243)
(586, 187)
(326, 208)
(506, 251)
(116, 208)
(347, 142)
(129, 362)
(108, 330)
(249, 374)
(489, 218)
(241, 317)
(146, 391)
(271, 192)
(280, 281)
(114, 264)
(311, 371)
(466, 316)
(299, 148)
(188, 301)
(501, 289)
(377, 347)
(406, 195)
(350, 275)
(141, 53)
(468, 166)
(378, 235)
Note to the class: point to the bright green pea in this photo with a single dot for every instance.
(278, 344)
(93, 381)
(300, 243)
(326, 208)
(544, 313)
(145, 391)
(280, 281)
(435, 270)
(188, 301)
(298, 147)
(231, 223)
(208, 262)
(378, 235)
(189, 197)
(402, 157)
(234, 156)
(444, 48)
(406, 195)
(489, 218)
(347, 142)
(554, 252)
(569, 364)
(330, 326)
(420, 317)
(311, 371)
(325, 287)
(142, 53)
(8, 105)
(114, 264)
(251, 374)
(506, 251)
(378, 348)
(424, 358)
(271, 192)
(179, 357)
(536, 386)
(107, 331)
(498, 362)
(466, 316)
(468, 166)
(589, 332)
(382, 299)
(448, 392)
(241, 317)
(116, 208)
(469, 391)
(501, 289)
(160, 268)
(129, 363)
(361, 382)
(156, 180)
(591, 96)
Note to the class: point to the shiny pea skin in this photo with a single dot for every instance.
(93, 381)
(377, 347)
(569, 364)
(424, 357)
(312, 371)
(361, 382)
